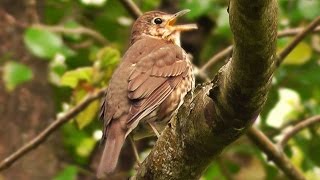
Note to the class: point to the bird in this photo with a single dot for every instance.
(149, 84)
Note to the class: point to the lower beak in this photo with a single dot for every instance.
(185, 27)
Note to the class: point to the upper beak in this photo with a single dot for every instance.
(173, 19)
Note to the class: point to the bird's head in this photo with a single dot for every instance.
(160, 25)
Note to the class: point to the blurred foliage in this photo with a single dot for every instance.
(14, 74)
(78, 64)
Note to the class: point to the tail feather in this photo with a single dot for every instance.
(114, 142)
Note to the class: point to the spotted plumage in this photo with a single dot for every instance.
(148, 86)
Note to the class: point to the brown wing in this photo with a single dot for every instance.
(156, 75)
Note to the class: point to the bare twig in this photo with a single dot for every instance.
(42, 136)
(295, 31)
(132, 8)
(10, 19)
(79, 30)
(284, 53)
(217, 57)
(291, 131)
(228, 50)
(273, 154)
(32, 10)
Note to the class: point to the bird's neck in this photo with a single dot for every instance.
(172, 38)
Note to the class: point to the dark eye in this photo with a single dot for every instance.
(157, 20)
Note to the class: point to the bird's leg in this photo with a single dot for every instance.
(135, 151)
(154, 129)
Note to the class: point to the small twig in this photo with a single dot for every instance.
(285, 52)
(132, 8)
(79, 30)
(11, 20)
(294, 31)
(32, 10)
(291, 131)
(82, 45)
(42, 136)
(273, 154)
(228, 50)
(217, 57)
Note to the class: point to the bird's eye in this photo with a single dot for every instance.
(157, 20)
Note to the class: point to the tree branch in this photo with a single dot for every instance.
(291, 131)
(216, 58)
(132, 8)
(79, 30)
(295, 31)
(273, 154)
(205, 125)
(42, 136)
(228, 50)
(285, 52)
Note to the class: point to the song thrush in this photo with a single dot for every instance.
(149, 85)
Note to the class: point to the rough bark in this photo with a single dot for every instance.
(220, 112)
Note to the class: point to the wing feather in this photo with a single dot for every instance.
(154, 78)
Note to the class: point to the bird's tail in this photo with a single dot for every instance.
(114, 142)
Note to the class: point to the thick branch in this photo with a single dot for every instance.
(203, 126)
(273, 154)
(39, 139)
(244, 82)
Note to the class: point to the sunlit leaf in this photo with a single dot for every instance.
(108, 56)
(299, 55)
(93, 2)
(72, 78)
(68, 173)
(85, 147)
(287, 108)
(87, 115)
(45, 44)
(14, 74)
(309, 9)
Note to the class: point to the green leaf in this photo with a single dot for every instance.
(198, 8)
(223, 27)
(45, 44)
(287, 108)
(87, 115)
(213, 172)
(15, 74)
(149, 5)
(68, 173)
(108, 56)
(299, 55)
(85, 147)
(314, 149)
(309, 9)
(72, 78)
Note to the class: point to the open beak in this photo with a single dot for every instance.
(173, 19)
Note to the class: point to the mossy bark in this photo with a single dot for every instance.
(221, 111)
